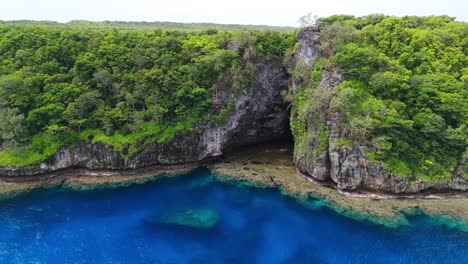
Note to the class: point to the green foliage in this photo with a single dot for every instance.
(42, 146)
(206, 28)
(123, 84)
(224, 114)
(344, 142)
(45, 116)
(335, 18)
(405, 93)
(323, 139)
(337, 35)
(298, 122)
(316, 74)
(275, 43)
(11, 127)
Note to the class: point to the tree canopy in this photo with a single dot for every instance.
(65, 83)
(406, 90)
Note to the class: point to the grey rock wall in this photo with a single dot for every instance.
(260, 114)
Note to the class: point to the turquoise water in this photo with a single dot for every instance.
(255, 226)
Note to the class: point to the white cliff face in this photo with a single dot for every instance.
(213, 139)
(348, 167)
(309, 49)
(260, 114)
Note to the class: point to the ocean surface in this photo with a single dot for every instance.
(255, 226)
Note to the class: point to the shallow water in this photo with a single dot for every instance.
(256, 226)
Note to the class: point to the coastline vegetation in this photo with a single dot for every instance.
(147, 26)
(405, 94)
(124, 84)
(132, 84)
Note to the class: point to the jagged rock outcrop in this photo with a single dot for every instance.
(259, 115)
(345, 165)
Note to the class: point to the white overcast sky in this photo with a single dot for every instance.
(273, 12)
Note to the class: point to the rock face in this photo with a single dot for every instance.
(259, 115)
(345, 165)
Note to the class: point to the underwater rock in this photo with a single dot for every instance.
(198, 218)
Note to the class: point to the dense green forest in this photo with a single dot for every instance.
(405, 94)
(60, 84)
(142, 26)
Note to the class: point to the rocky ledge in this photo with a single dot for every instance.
(272, 166)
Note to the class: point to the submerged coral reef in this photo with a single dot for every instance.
(271, 166)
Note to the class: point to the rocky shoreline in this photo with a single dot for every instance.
(266, 166)
(83, 179)
(382, 196)
(259, 114)
(273, 167)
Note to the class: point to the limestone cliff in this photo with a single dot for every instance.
(319, 150)
(259, 114)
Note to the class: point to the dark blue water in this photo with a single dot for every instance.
(256, 226)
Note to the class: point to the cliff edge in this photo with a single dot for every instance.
(259, 115)
(324, 148)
